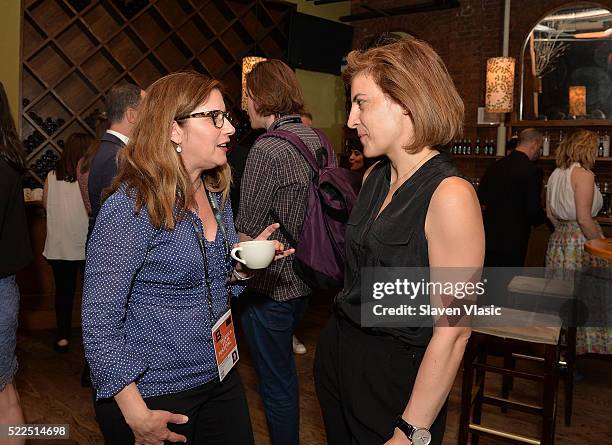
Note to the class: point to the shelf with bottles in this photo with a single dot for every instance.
(463, 148)
(554, 138)
(597, 159)
(74, 51)
(563, 123)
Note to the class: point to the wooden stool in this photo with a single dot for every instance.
(540, 343)
(559, 290)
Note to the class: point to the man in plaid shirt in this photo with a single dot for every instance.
(274, 188)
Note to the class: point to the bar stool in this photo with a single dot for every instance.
(538, 342)
(562, 291)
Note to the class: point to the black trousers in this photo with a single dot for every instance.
(65, 274)
(218, 414)
(364, 382)
(505, 259)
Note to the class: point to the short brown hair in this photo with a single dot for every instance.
(274, 88)
(580, 147)
(413, 75)
(151, 169)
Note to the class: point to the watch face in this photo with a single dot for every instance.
(421, 437)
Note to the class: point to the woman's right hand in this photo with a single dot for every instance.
(151, 428)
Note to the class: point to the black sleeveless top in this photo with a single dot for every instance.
(395, 239)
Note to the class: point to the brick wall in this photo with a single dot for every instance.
(467, 36)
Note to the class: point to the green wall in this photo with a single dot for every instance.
(324, 93)
(10, 31)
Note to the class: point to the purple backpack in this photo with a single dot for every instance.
(319, 251)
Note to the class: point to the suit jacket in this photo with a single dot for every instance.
(237, 158)
(101, 173)
(511, 193)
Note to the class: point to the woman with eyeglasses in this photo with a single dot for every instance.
(157, 325)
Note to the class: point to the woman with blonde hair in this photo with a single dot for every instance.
(572, 202)
(388, 383)
(159, 277)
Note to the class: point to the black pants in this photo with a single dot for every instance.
(218, 414)
(65, 275)
(363, 383)
(495, 258)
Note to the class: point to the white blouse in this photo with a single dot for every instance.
(66, 221)
(560, 195)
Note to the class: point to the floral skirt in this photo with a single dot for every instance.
(566, 256)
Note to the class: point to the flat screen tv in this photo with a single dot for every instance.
(318, 44)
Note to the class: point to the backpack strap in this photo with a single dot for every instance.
(304, 150)
(329, 151)
(289, 237)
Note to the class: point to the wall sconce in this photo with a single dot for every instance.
(500, 85)
(577, 101)
(247, 66)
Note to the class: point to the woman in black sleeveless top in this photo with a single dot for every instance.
(390, 384)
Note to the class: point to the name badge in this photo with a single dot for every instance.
(224, 341)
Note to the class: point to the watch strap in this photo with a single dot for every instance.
(405, 427)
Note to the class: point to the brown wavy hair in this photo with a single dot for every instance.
(274, 88)
(581, 147)
(414, 76)
(149, 166)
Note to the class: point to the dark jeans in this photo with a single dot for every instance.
(65, 275)
(268, 326)
(218, 414)
(363, 382)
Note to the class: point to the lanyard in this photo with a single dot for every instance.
(202, 245)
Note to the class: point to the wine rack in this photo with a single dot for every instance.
(74, 51)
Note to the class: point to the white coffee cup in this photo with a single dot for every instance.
(256, 254)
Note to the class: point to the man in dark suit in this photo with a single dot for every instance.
(121, 104)
(510, 194)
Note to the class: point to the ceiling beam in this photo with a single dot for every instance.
(434, 5)
(327, 2)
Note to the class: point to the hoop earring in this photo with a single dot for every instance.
(178, 149)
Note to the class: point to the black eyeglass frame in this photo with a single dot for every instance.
(213, 114)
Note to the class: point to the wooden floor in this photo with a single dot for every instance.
(49, 384)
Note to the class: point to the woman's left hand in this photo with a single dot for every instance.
(278, 246)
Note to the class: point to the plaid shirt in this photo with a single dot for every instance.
(277, 177)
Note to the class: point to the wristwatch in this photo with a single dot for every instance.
(418, 436)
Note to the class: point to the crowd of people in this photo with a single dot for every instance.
(146, 212)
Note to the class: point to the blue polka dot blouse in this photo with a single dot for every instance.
(145, 310)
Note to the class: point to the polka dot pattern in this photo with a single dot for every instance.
(145, 310)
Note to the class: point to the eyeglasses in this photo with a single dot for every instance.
(218, 117)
